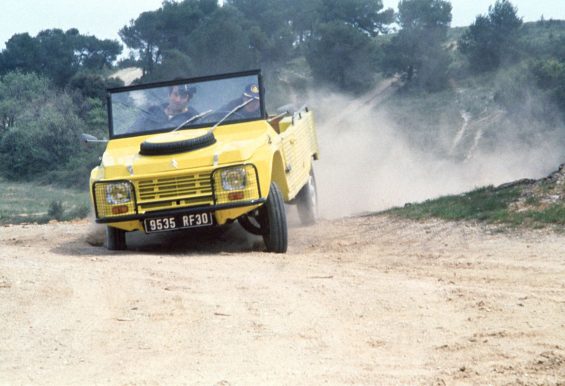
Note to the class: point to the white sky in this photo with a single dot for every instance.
(101, 18)
(465, 11)
(104, 18)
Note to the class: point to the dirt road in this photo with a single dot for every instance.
(367, 300)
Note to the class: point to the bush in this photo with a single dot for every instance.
(56, 210)
(550, 77)
(42, 140)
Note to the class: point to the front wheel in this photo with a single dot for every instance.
(115, 239)
(273, 221)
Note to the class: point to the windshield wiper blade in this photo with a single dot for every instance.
(191, 119)
(234, 110)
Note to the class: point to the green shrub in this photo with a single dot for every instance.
(56, 210)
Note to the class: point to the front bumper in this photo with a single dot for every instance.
(189, 210)
(176, 193)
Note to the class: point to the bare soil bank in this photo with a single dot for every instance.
(366, 300)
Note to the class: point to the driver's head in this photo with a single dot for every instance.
(251, 92)
(179, 96)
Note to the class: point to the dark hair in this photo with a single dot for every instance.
(183, 89)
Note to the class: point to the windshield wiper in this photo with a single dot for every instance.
(234, 110)
(191, 119)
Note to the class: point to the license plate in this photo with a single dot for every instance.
(180, 221)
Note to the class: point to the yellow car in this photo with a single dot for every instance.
(203, 152)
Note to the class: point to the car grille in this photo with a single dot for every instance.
(173, 191)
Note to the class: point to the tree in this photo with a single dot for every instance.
(198, 37)
(222, 43)
(21, 53)
(341, 50)
(167, 28)
(174, 64)
(179, 20)
(364, 15)
(343, 56)
(57, 54)
(143, 36)
(95, 54)
(93, 85)
(269, 32)
(303, 16)
(492, 38)
(417, 51)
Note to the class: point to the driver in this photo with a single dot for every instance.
(171, 113)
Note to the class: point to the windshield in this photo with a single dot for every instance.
(184, 104)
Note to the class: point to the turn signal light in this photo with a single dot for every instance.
(120, 209)
(234, 196)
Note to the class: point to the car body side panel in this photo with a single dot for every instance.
(300, 147)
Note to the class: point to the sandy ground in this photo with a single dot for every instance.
(355, 301)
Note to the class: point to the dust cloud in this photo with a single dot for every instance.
(368, 165)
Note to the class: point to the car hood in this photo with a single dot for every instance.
(234, 143)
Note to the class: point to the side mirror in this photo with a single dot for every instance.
(87, 138)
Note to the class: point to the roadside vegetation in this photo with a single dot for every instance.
(499, 72)
(523, 203)
(30, 202)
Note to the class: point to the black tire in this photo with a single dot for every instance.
(307, 201)
(150, 148)
(273, 222)
(115, 239)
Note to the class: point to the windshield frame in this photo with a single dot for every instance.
(153, 85)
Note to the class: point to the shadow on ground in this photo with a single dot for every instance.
(230, 238)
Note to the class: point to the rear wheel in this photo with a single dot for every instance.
(273, 221)
(115, 239)
(307, 201)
